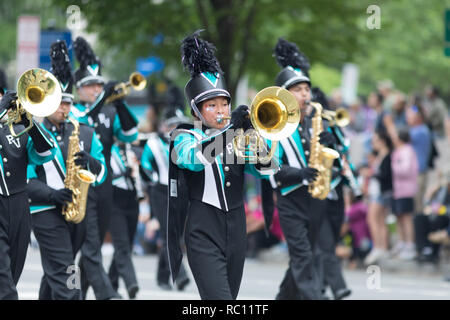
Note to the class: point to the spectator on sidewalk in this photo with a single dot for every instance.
(435, 111)
(432, 226)
(356, 224)
(421, 142)
(405, 170)
(381, 197)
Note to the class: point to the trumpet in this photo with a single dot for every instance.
(340, 117)
(136, 81)
(38, 94)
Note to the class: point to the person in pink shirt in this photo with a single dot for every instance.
(405, 171)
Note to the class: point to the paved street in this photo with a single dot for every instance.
(261, 280)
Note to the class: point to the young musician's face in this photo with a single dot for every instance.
(90, 92)
(302, 93)
(213, 109)
(61, 113)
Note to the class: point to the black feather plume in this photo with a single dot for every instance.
(288, 54)
(319, 96)
(198, 55)
(84, 53)
(61, 67)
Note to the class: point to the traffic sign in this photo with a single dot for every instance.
(149, 65)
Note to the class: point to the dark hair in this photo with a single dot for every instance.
(403, 135)
(417, 103)
(435, 90)
(385, 137)
(380, 97)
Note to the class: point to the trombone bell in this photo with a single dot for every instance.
(137, 81)
(38, 94)
(275, 115)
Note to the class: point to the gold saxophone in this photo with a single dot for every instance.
(77, 179)
(320, 158)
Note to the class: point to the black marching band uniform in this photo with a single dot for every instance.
(300, 214)
(110, 121)
(125, 213)
(155, 164)
(216, 226)
(327, 263)
(60, 240)
(34, 147)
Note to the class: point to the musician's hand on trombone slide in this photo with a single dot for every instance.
(240, 118)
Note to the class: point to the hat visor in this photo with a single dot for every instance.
(90, 80)
(210, 94)
(295, 80)
(67, 97)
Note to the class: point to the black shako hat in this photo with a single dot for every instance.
(294, 63)
(90, 65)
(3, 83)
(206, 75)
(62, 69)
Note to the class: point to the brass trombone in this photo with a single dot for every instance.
(38, 94)
(275, 115)
(136, 81)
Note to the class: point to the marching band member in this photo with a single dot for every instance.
(34, 147)
(108, 121)
(155, 162)
(60, 240)
(216, 227)
(125, 213)
(300, 214)
(329, 265)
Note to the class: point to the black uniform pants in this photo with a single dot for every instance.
(91, 262)
(59, 242)
(300, 218)
(158, 203)
(15, 224)
(104, 206)
(123, 225)
(327, 263)
(216, 244)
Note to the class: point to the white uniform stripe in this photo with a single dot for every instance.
(130, 132)
(52, 176)
(101, 174)
(44, 154)
(210, 195)
(118, 182)
(290, 154)
(160, 157)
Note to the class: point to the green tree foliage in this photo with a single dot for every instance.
(244, 31)
(409, 47)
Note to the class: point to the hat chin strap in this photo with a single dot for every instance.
(197, 112)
